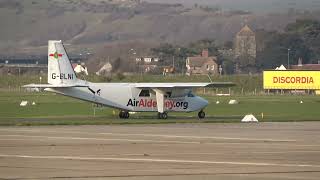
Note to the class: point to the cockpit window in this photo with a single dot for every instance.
(190, 94)
(168, 94)
(144, 93)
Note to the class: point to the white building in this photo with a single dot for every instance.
(79, 68)
(147, 59)
(106, 68)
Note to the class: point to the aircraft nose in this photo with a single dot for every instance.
(203, 102)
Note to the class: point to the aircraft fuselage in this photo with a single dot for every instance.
(125, 96)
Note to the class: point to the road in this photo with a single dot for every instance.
(174, 151)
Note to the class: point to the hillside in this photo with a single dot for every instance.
(265, 6)
(27, 25)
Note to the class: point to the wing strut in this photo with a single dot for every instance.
(160, 100)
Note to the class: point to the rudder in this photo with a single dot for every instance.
(60, 70)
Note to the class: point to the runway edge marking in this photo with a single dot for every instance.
(157, 160)
(170, 136)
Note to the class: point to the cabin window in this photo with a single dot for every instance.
(168, 95)
(144, 93)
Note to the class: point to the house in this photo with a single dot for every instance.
(301, 66)
(147, 59)
(147, 64)
(105, 69)
(202, 64)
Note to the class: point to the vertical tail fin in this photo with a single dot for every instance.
(60, 70)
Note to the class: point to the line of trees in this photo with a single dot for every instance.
(301, 37)
(167, 52)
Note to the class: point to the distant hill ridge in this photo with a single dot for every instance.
(28, 24)
(265, 6)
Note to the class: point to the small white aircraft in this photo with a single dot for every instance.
(127, 97)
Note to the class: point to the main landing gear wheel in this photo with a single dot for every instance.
(124, 114)
(201, 114)
(163, 115)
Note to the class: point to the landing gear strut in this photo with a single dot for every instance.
(163, 115)
(124, 114)
(201, 114)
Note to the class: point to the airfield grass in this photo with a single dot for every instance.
(52, 109)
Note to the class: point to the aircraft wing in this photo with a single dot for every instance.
(52, 86)
(160, 89)
(184, 85)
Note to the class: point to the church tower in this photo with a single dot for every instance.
(245, 43)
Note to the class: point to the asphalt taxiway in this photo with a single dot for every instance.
(174, 151)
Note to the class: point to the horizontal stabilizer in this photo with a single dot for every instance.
(53, 86)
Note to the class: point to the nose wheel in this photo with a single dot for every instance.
(201, 114)
(163, 115)
(124, 114)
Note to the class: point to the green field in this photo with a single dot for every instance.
(245, 84)
(52, 109)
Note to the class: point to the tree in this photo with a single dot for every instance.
(301, 37)
(116, 64)
(228, 45)
(275, 52)
(195, 5)
(200, 45)
(309, 31)
(304, 26)
(228, 66)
